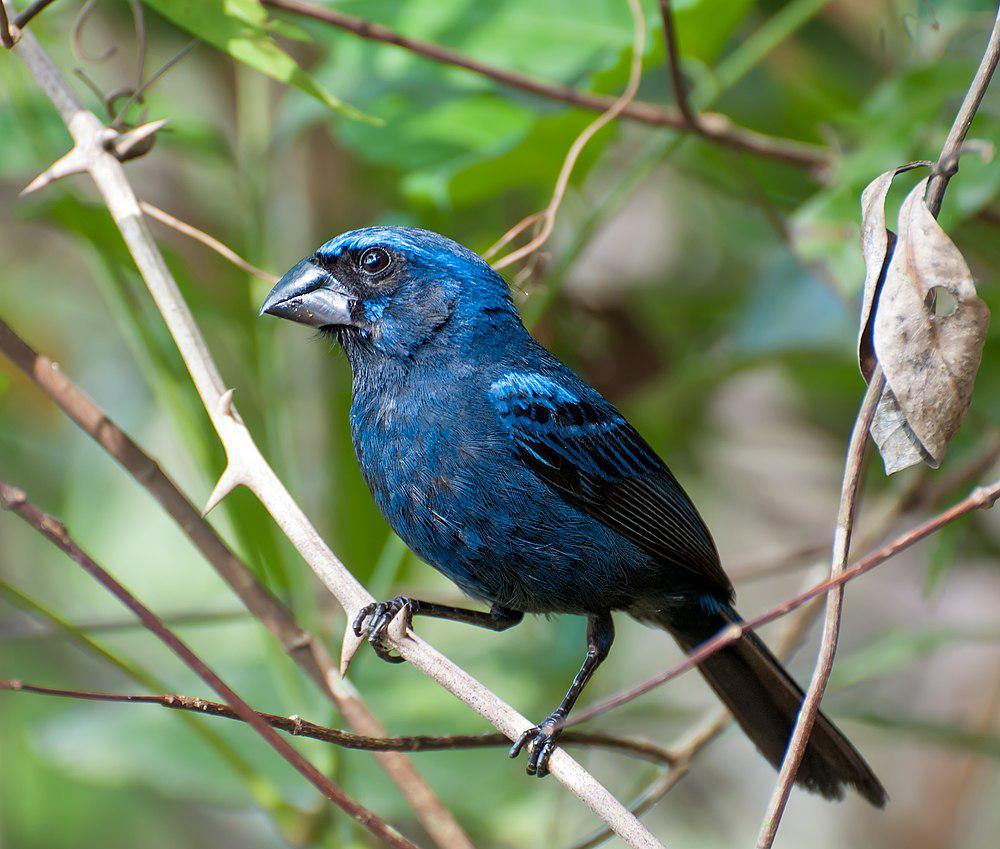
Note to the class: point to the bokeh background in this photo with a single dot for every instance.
(710, 293)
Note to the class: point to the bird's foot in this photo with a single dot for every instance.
(373, 623)
(540, 742)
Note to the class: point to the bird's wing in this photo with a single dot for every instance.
(583, 448)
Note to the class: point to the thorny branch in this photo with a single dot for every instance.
(246, 466)
(304, 648)
(712, 126)
(947, 165)
(15, 500)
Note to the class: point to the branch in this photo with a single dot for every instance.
(208, 241)
(298, 727)
(946, 166)
(674, 63)
(15, 500)
(32, 9)
(849, 489)
(248, 467)
(712, 126)
(981, 498)
(304, 648)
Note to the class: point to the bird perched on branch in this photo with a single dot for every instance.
(507, 472)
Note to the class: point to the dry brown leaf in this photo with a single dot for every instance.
(877, 244)
(929, 355)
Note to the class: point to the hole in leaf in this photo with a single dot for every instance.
(941, 301)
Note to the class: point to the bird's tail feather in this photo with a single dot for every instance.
(765, 701)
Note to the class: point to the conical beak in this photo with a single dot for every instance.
(309, 295)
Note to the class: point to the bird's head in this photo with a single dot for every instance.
(391, 290)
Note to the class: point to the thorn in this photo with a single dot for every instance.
(129, 145)
(72, 163)
(350, 648)
(224, 406)
(227, 483)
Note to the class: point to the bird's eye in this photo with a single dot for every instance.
(375, 260)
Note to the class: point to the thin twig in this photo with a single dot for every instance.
(76, 37)
(303, 647)
(947, 164)
(674, 63)
(247, 466)
(548, 216)
(945, 168)
(142, 87)
(982, 497)
(298, 727)
(208, 241)
(713, 127)
(24, 17)
(799, 740)
(16, 501)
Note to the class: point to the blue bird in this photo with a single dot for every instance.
(504, 470)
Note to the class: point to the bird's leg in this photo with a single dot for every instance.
(542, 738)
(373, 620)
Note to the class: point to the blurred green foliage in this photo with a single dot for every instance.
(709, 292)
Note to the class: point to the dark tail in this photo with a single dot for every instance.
(765, 701)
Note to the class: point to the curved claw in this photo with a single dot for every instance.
(373, 622)
(541, 743)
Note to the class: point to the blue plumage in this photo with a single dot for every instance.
(504, 470)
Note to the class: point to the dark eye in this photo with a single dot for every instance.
(375, 260)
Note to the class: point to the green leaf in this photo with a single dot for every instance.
(241, 29)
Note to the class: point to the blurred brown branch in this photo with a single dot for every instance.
(304, 648)
(298, 727)
(674, 64)
(25, 16)
(714, 127)
(17, 502)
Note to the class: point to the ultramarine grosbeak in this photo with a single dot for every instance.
(504, 470)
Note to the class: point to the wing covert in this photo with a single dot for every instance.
(582, 447)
